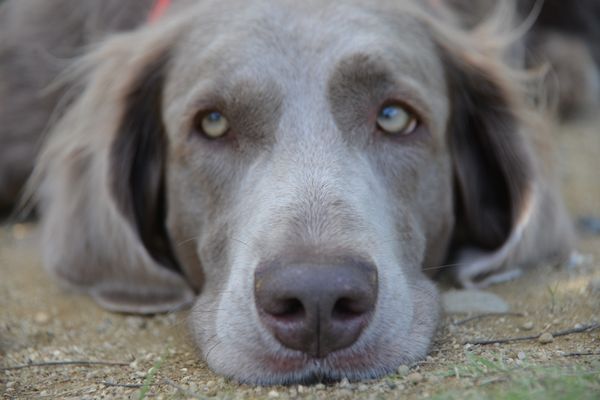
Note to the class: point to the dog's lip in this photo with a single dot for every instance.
(338, 361)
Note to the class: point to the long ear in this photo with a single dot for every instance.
(102, 186)
(508, 209)
(494, 171)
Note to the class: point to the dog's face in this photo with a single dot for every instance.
(298, 166)
(299, 178)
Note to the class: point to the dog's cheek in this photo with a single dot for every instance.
(426, 317)
(224, 321)
(436, 212)
(199, 193)
(184, 223)
(421, 207)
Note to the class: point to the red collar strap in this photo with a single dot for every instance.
(158, 10)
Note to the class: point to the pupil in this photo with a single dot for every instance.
(389, 112)
(214, 117)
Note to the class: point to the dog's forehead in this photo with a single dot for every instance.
(295, 41)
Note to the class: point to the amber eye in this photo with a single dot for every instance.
(212, 125)
(397, 120)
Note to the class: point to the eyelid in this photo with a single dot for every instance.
(409, 108)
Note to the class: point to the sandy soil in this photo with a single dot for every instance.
(39, 322)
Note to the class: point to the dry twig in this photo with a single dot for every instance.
(488, 315)
(579, 329)
(123, 385)
(580, 354)
(61, 363)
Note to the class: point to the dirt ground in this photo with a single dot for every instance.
(154, 358)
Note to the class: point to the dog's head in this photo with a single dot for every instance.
(292, 169)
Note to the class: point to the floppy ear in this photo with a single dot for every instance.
(508, 208)
(102, 185)
(493, 168)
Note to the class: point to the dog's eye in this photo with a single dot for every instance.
(396, 120)
(212, 125)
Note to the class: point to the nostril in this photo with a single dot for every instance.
(288, 310)
(346, 308)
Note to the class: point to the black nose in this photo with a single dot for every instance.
(316, 309)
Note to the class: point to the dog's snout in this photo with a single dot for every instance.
(316, 308)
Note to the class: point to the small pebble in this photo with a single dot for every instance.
(320, 386)
(546, 338)
(344, 383)
(362, 387)
(527, 326)
(391, 385)
(415, 377)
(403, 370)
(273, 394)
(41, 318)
(522, 355)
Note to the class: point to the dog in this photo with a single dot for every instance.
(295, 172)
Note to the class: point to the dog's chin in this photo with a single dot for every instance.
(291, 367)
(308, 370)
